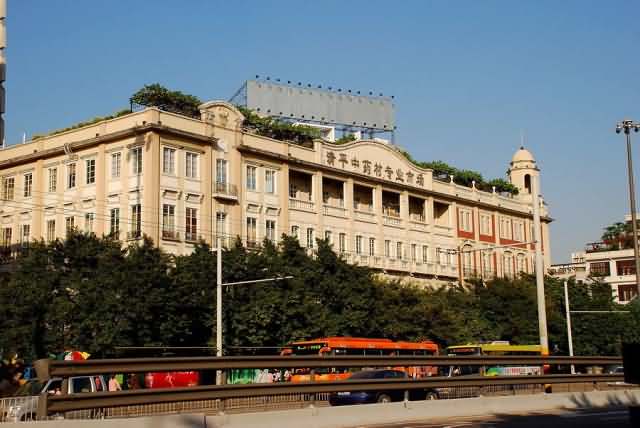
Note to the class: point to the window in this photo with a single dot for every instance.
(507, 264)
(136, 220)
(53, 179)
(7, 188)
(6, 236)
(191, 168)
(358, 244)
(221, 225)
(116, 159)
(270, 181)
(251, 230)
(310, 238)
(372, 246)
(191, 224)
(518, 231)
(342, 242)
(88, 222)
(70, 223)
(443, 256)
(425, 254)
(251, 177)
(91, 171)
(399, 250)
(387, 248)
(414, 252)
(520, 263)
(136, 160)
(293, 191)
(51, 230)
(485, 224)
(169, 221)
(295, 231)
(505, 228)
(168, 160)
(71, 176)
(599, 268)
(465, 221)
(270, 228)
(28, 184)
(327, 236)
(221, 171)
(626, 267)
(626, 292)
(25, 234)
(115, 222)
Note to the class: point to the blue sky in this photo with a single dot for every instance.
(467, 76)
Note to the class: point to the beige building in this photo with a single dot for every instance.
(179, 180)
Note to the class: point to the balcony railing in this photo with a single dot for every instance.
(417, 217)
(390, 211)
(225, 189)
(170, 235)
(392, 221)
(299, 204)
(363, 207)
(335, 211)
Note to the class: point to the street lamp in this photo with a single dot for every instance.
(626, 126)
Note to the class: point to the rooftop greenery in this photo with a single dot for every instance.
(82, 124)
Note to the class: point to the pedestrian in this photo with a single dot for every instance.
(114, 385)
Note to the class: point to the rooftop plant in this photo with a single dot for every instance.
(464, 177)
(156, 95)
(81, 124)
(278, 129)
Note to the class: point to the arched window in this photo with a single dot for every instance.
(527, 183)
(507, 264)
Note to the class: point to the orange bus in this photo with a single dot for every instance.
(336, 346)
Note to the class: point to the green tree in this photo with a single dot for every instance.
(156, 95)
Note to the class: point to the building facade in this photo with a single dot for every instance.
(179, 180)
(611, 262)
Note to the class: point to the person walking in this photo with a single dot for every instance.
(114, 385)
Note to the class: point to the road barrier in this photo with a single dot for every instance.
(56, 404)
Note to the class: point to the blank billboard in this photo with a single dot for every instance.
(331, 107)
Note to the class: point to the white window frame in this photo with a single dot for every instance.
(116, 164)
(191, 161)
(90, 171)
(387, 248)
(88, 222)
(310, 238)
(485, 224)
(8, 188)
(114, 221)
(414, 252)
(169, 160)
(168, 218)
(191, 224)
(358, 244)
(465, 220)
(51, 230)
(328, 236)
(270, 229)
(372, 246)
(28, 185)
(136, 220)
(295, 231)
(252, 172)
(342, 242)
(270, 181)
(221, 171)
(72, 172)
(53, 180)
(252, 229)
(69, 223)
(399, 248)
(425, 254)
(136, 160)
(25, 234)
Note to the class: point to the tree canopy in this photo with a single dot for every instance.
(93, 294)
(156, 95)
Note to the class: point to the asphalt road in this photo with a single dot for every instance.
(600, 418)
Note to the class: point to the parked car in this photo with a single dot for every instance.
(23, 405)
(362, 397)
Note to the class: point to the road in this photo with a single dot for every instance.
(600, 418)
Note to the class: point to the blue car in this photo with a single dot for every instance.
(362, 397)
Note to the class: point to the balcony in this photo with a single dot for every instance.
(299, 204)
(170, 235)
(392, 221)
(225, 190)
(334, 211)
(422, 227)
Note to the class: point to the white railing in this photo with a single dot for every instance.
(392, 221)
(418, 226)
(362, 215)
(363, 207)
(335, 211)
(298, 204)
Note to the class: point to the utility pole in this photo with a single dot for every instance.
(568, 314)
(537, 236)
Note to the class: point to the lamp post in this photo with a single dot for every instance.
(626, 126)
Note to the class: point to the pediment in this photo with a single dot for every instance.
(376, 159)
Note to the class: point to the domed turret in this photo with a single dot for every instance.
(523, 166)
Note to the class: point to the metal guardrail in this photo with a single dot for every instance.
(48, 368)
(100, 400)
